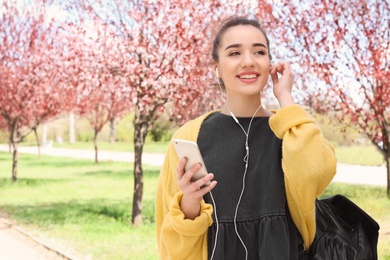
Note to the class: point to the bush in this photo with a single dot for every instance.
(162, 129)
(4, 136)
(124, 129)
(338, 133)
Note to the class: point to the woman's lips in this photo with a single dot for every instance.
(248, 77)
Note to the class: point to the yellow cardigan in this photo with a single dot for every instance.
(309, 165)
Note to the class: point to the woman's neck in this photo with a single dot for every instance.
(243, 110)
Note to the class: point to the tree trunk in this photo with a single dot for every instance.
(38, 142)
(112, 130)
(15, 161)
(72, 128)
(96, 146)
(141, 127)
(388, 174)
(44, 134)
(385, 151)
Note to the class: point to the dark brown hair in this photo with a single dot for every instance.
(231, 22)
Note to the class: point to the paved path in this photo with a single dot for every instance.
(16, 246)
(371, 175)
(153, 159)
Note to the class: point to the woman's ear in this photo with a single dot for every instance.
(215, 68)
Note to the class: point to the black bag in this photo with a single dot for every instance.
(344, 231)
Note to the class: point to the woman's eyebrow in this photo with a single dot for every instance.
(259, 45)
(237, 45)
(233, 46)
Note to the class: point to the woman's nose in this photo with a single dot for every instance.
(247, 60)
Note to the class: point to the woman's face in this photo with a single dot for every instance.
(243, 60)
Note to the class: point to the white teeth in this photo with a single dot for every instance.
(249, 76)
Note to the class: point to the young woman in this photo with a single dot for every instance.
(266, 169)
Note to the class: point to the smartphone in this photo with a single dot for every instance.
(190, 150)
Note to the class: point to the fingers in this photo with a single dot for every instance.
(180, 168)
(203, 182)
(274, 76)
(281, 74)
(274, 69)
(182, 175)
(283, 80)
(282, 68)
(209, 187)
(193, 192)
(185, 178)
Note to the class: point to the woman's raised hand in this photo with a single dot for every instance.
(283, 80)
(193, 191)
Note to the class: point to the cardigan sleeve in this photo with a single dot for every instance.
(178, 238)
(308, 162)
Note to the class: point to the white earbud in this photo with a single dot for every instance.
(217, 72)
(235, 118)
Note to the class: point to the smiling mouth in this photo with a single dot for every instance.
(248, 76)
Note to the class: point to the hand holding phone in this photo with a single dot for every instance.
(190, 150)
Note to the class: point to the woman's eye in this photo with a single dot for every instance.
(261, 52)
(234, 53)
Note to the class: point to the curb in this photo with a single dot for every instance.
(48, 246)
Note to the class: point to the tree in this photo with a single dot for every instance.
(94, 58)
(160, 73)
(170, 42)
(104, 94)
(168, 45)
(31, 90)
(346, 44)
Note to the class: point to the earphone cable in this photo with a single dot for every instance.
(217, 223)
(246, 160)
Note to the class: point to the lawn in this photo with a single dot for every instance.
(85, 209)
(359, 155)
(81, 207)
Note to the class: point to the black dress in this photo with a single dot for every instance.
(263, 220)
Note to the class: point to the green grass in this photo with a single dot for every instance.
(359, 155)
(80, 206)
(85, 208)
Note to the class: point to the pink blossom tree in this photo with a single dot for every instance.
(170, 44)
(30, 90)
(345, 45)
(103, 94)
(166, 61)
